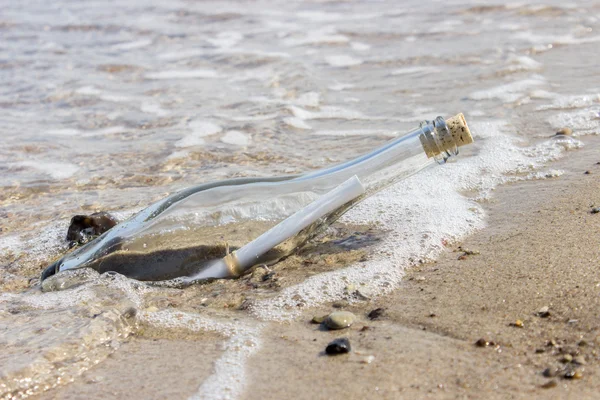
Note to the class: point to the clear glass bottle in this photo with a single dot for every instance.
(221, 229)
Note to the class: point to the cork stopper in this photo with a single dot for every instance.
(454, 133)
(457, 126)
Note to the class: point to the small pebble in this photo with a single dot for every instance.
(549, 385)
(539, 351)
(129, 313)
(587, 172)
(367, 360)
(338, 346)
(376, 313)
(544, 312)
(582, 343)
(566, 358)
(318, 320)
(573, 374)
(579, 360)
(340, 320)
(518, 323)
(363, 294)
(595, 210)
(565, 131)
(550, 372)
(482, 343)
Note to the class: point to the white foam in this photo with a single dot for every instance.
(63, 132)
(189, 141)
(153, 108)
(253, 118)
(576, 101)
(343, 61)
(183, 74)
(518, 63)
(56, 170)
(567, 39)
(132, 45)
(320, 16)
(327, 112)
(181, 54)
(359, 46)
(296, 123)
(355, 132)
(508, 92)
(326, 36)
(424, 213)
(200, 129)
(226, 39)
(582, 122)
(338, 87)
(415, 71)
(309, 99)
(229, 379)
(236, 137)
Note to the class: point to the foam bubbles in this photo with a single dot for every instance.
(55, 170)
(200, 129)
(343, 61)
(355, 132)
(582, 122)
(132, 45)
(183, 74)
(236, 138)
(415, 71)
(509, 92)
(327, 112)
(297, 123)
(229, 378)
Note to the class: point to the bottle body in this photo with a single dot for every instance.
(182, 235)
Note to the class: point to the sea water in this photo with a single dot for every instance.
(110, 106)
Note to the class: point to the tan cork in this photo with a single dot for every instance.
(457, 126)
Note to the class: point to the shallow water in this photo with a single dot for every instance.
(111, 106)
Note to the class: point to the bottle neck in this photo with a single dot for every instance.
(437, 140)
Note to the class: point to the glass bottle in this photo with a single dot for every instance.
(221, 229)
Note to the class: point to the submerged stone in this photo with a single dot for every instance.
(95, 224)
(340, 320)
(338, 346)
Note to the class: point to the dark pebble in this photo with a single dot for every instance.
(376, 313)
(595, 210)
(587, 173)
(95, 224)
(481, 343)
(130, 313)
(338, 346)
(573, 374)
(565, 132)
(549, 384)
(550, 372)
(544, 312)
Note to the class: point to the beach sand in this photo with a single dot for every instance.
(540, 249)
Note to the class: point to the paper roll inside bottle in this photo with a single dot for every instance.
(449, 135)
